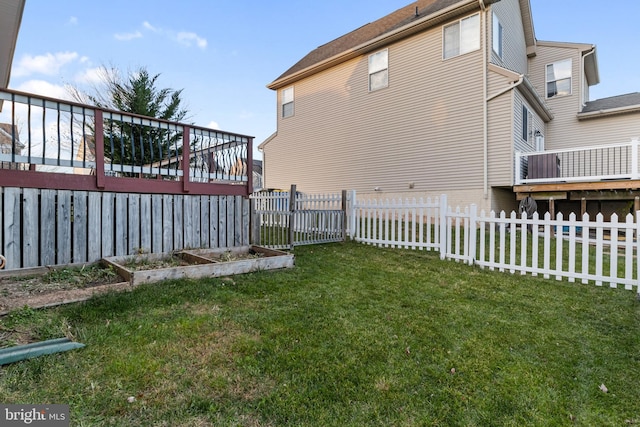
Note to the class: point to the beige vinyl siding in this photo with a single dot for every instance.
(514, 55)
(565, 130)
(500, 120)
(424, 129)
(518, 143)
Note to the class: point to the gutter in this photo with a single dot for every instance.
(382, 40)
(609, 112)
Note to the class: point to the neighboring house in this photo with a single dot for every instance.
(9, 134)
(438, 97)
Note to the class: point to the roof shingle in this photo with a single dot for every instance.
(370, 31)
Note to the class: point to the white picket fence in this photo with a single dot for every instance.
(575, 249)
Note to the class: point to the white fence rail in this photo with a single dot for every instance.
(576, 249)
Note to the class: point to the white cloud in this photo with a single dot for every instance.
(150, 27)
(213, 125)
(187, 38)
(73, 20)
(48, 64)
(128, 36)
(44, 88)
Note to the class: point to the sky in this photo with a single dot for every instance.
(222, 54)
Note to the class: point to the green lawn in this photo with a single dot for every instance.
(354, 335)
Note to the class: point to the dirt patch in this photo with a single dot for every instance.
(47, 287)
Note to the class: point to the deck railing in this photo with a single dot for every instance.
(57, 144)
(595, 163)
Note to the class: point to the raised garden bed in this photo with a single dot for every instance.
(197, 263)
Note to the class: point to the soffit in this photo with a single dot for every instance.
(10, 18)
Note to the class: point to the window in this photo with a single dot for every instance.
(287, 102)
(462, 36)
(527, 124)
(379, 70)
(559, 78)
(497, 36)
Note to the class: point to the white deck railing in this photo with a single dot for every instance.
(585, 164)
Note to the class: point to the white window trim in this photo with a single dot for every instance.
(376, 70)
(546, 81)
(474, 48)
(286, 101)
(497, 25)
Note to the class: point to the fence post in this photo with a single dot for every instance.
(292, 216)
(254, 222)
(473, 213)
(351, 212)
(443, 226)
(344, 215)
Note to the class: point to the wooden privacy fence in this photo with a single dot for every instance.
(284, 219)
(53, 227)
(576, 249)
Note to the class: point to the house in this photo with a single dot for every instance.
(9, 143)
(455, 97)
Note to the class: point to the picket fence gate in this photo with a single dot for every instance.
(285, 219)
(575, 249)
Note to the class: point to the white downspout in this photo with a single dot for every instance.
(508, 88)
(583, 76)
(485, 111)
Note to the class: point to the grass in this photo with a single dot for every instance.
(354, 335)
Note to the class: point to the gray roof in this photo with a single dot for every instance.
(370, 31)
(620, 101)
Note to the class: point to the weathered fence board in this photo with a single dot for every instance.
(133, 224)
(145, 223)
(94, 224)
(167, 224)
(12, 235)
(30, 221)
(80, 231)
(213, 221)
(47, 229)
(54, 227)
(121, 236)
(107, 236)
(63, 227)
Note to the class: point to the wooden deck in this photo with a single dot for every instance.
(626, 190)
